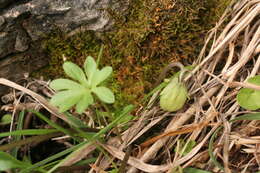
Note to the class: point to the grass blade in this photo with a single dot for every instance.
(252, 116)
(125, 111)
(58, 127)
(18, 137)
(211, 154)
(28, 132)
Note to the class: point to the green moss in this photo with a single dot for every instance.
(74, 49)
(152, 34)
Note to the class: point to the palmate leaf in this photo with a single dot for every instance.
(79, 94)
(66, 99)
(249, 98)
(75, 72)
(90, 68)
(104, 94)
(100, 76)
(84, 102)
(65, 84)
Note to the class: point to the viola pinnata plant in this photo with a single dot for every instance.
(79, 92)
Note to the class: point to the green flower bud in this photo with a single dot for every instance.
(173, 96)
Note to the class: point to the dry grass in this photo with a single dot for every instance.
(229, 57)
(233, 57)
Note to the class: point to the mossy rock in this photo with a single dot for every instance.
(152, 34)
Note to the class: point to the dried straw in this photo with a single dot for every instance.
(220, 72)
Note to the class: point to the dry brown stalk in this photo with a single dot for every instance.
(37, 97)
(223, 103)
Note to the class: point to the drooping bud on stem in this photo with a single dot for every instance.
(174, 95)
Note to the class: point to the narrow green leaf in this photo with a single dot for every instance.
(70, 157)
(81, 146)
(66, 99)
(58, 127)
(65, 84)
(104, 94)
(75, 72)
(101, 75)
(211, 154)
(185, 147)
(157, 88)
(53, 157)
(253, 116)
(121, 115)
(20, 122)
(100, 54)
(8, 162)
(194, 170)
(84, 102)
(124, 112)
(90, 67)
(28, 132)
(74, 121)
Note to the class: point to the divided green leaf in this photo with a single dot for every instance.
(65, 84)
(104, 94)
(71, 93)
(66, 99)
(90, 68)
(84, 102)
(75, 72)
(101, 75)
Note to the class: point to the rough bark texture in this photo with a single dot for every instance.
(23, 24)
